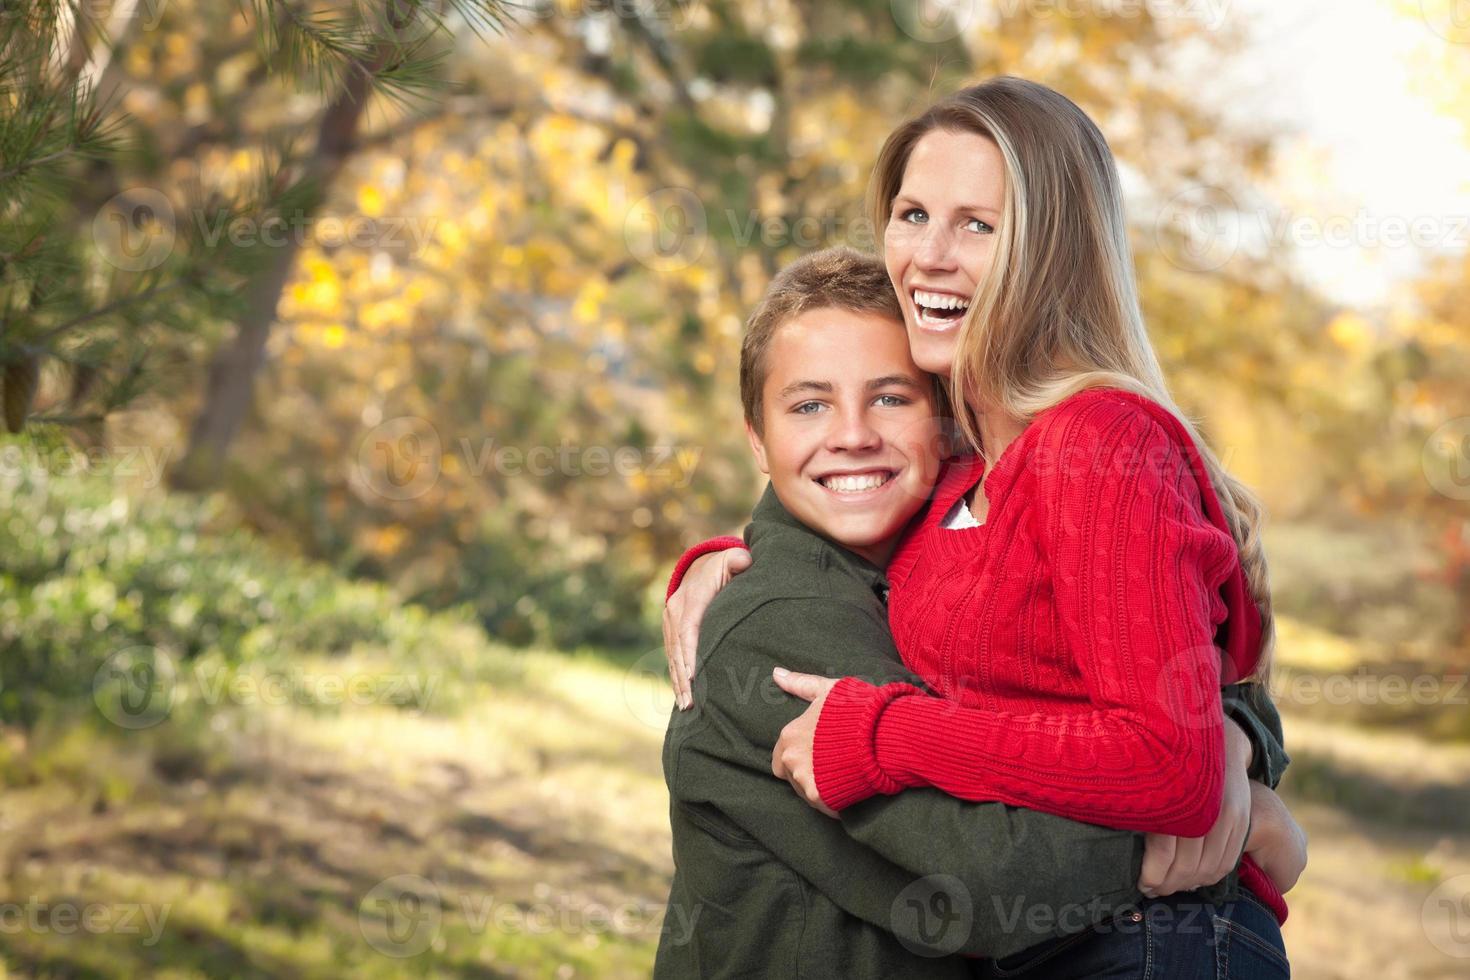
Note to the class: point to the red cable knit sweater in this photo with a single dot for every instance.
(1073, 636)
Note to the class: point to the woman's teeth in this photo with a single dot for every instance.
(855, 484)
(939, 308)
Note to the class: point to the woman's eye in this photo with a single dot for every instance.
(914, 216)
(978, 226)
(892, 401)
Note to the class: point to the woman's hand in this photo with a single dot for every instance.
(791, 759)
(685, 610)
(1277, 842)
(1176, 864)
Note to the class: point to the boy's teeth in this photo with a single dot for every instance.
(940, 301)
(856, 484)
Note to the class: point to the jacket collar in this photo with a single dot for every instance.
(771, 519)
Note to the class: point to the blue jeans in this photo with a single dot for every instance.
(1181, 937)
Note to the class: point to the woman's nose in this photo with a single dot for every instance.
(935, 249)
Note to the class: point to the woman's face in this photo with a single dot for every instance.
(941, 235)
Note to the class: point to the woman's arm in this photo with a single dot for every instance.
(1137, 569)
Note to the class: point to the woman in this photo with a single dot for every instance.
(1068, 585)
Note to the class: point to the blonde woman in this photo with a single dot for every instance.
(1082, 584)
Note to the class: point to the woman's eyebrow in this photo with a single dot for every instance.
(891, 380)
(977, 208)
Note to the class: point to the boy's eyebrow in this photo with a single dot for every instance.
(823, 386)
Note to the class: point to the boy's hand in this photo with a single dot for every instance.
(791, 759)
(1175, 864)
(685, 610)
(1277, 842)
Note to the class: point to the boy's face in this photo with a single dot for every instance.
(850, 440)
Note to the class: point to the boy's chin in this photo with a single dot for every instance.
(859, 535)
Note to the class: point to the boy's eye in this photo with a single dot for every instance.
(978, 226)
(807, 408)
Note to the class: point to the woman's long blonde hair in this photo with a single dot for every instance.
(1058, 311)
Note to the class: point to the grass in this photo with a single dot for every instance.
(346, 785)
(302, 840)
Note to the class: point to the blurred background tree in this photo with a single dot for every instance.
(489, 354)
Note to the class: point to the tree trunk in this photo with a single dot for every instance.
(231, 382)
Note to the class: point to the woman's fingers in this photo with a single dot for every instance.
(679, 666)
(808, 687)
(1158, 856)
(684, 611)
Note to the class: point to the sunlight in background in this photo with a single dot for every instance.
(1371, 150)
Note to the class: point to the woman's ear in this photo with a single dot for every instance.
(757, 447)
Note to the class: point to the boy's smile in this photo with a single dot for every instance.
(850, 434)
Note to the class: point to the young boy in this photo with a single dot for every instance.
(847, 429)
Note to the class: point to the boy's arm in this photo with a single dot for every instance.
(1250, 706)
(1023, 876)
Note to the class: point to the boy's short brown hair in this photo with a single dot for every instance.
(840, 278)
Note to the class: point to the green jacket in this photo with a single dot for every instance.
(767, 886)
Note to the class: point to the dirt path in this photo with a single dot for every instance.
(526, 835)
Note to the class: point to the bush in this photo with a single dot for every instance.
(88, 570)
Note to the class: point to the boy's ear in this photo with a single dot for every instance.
(757, 447)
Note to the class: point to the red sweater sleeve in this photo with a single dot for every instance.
(703, 548)
(1136, 576)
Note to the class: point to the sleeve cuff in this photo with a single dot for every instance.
(844, 749)
(1260, 883)
(1268, 758)
(703, 548)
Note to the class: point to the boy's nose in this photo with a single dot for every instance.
(853, 433)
